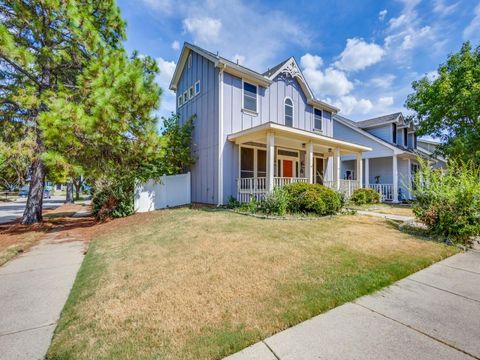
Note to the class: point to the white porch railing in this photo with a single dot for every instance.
(346, 187)
(385, 191)
(248, 188)
(251, 187)
(282, 181)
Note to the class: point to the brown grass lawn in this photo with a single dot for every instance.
(392, 209)
(201, 284)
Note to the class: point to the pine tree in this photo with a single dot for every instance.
(67, 83)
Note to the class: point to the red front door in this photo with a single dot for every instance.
(287, 168)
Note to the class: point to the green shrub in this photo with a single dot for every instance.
(232, 203)
(448, 202)
(112, 200)
(276, 202)
(365, 196)
(312, 198)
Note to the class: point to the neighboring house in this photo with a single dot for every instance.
(390, 166)
(428, 148)
(256, 131)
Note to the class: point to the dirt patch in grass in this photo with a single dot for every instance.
(16, 238)
(200, 284)
(390, 209)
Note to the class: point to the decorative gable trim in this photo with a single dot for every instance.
(291, 69)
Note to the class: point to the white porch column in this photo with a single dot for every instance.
(270, 160)
(359, 170)
(395, 178)
(336, 168)
(367, 172)
(309, 163)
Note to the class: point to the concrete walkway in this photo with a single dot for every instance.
(33, 290)
(386, 216)
(433, 314)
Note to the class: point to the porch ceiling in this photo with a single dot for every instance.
(294, 138)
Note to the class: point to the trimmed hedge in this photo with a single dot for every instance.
(312, 198)
(365, 196)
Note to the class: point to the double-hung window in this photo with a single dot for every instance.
(288, 112)
(250, 97)
(317, 115)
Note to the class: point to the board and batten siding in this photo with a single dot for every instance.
(270, 108)
(204, 182)
(383, 132)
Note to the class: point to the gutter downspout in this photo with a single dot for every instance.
(220, 135)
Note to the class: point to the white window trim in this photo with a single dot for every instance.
(314, 127)
(243, 98)
(185, 97)
(195, 87)
(293, 111)
(180, 100)
(191, 93)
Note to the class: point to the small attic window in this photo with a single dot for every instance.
(189, 61)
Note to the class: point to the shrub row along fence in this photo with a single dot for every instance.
(169, 191)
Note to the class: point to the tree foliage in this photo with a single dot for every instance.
(67, 85)
(448, 107)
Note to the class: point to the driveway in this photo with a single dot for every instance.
(10, 211)
(432, 314)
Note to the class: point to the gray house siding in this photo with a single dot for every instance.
(343, 132)
(382, 132)
(205, 135)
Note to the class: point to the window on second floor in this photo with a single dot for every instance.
(197, 87)
(249, 97)
(415, 141)
(191, 94)
(394, 133)
(185, 97)
(288, 112)
(180, 100)
(405, 137)
(317, 119)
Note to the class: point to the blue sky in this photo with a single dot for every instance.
(360, 56)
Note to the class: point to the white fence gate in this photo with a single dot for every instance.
(168, 192)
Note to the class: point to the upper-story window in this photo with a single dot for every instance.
(289, 112)
(415, 141)
(317, 115)
(405, 137)
(180, 100)
(249, 97)
(394, 133)
(185, 97)
(197, 87)
(190, 92)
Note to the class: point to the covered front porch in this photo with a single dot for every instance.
(273, 155)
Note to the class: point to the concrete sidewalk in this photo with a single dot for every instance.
(33, 290)
(432, 314)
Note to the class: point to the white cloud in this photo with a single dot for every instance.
(442, 9)
(203, 29)
(407, 32)
(359, 54)
(385, 101)
(167, 68)
(472, 31)
(383, 82)
(382, 14)
(162, 6)
(331, 82)
(175, 45)
(350, 104)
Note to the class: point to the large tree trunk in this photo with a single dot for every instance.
(33, 209)
(78, 185)
(69, 197)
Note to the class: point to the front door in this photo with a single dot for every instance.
(287, 168)
(318, 168)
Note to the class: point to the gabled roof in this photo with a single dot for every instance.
(381, 120)
(289, 67)
(353, 125)
(234, 68)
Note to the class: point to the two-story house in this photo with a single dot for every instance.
(390, 166)
(256, 131)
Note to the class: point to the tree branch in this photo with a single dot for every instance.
(19, 68)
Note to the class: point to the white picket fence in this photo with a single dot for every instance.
(169, 191)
